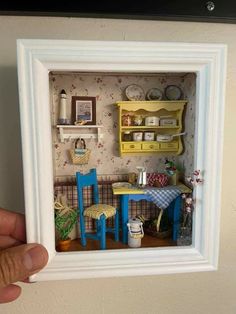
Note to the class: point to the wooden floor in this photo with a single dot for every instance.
(147, 241)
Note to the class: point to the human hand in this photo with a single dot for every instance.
(18, 260)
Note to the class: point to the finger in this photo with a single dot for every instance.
(9, 293)
(12, 224)
(7, 241)
(20, 262)
(26, 281)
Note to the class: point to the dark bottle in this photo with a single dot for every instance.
(127, 137)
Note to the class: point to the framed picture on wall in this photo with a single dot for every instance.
(83, 110)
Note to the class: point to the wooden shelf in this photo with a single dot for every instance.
(72, 132)
(134, 127)
(159, 109)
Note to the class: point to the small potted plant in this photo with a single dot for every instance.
(65, 219)
(172, 172)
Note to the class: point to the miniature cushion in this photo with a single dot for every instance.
(97, 210)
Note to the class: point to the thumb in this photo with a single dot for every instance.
(20, 262)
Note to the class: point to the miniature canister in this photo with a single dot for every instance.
(127, 137)
(138, 136)
(135, 229)
(168, 122)
(152, 121)
(149, 136)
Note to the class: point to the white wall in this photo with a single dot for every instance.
(211, 293)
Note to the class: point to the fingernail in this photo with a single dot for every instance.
(34, 258)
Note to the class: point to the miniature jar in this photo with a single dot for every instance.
(126, 120)
(137, 136)
(138, 120)
(127, 137)
(149, 136)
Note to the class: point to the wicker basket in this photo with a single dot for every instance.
(152, 227)
(80, 155)
(160, 234)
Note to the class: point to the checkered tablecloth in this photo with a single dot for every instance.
(162, 197)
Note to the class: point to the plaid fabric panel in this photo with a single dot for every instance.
(162, 197)
(147, 209)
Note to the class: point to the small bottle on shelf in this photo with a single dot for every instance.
(126, 120)
(127, 137)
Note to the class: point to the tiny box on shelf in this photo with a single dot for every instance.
(149, 135)
(138, 136)
(168, 122)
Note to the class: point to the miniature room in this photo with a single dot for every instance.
(38, 169)
(135, 132)
(117, 143)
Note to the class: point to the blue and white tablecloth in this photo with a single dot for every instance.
(162, 197)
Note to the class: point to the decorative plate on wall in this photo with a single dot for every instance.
(154, 94)
(134, 92)
(173, 92)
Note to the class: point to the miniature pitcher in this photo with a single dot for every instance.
(142, 176)
(135, 227)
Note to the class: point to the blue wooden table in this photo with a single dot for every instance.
(135, 194)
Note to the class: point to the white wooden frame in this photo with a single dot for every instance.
(36, 58)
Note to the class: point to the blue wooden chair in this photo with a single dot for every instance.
(99, 212)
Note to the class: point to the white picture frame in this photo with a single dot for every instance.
(36, 58)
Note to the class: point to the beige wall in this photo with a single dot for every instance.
(108, 89)
(211, 293)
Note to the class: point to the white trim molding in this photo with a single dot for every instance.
(36, 58)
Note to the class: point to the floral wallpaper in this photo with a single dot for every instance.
(108, 89)
(186, 160)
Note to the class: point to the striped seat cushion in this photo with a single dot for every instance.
(96, 211)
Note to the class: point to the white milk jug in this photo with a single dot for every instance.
(135, 227)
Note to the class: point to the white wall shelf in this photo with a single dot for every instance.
(73, 131)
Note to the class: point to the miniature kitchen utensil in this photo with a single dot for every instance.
(167, 137)
(142, 176)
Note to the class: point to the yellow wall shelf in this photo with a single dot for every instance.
(159, 109)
